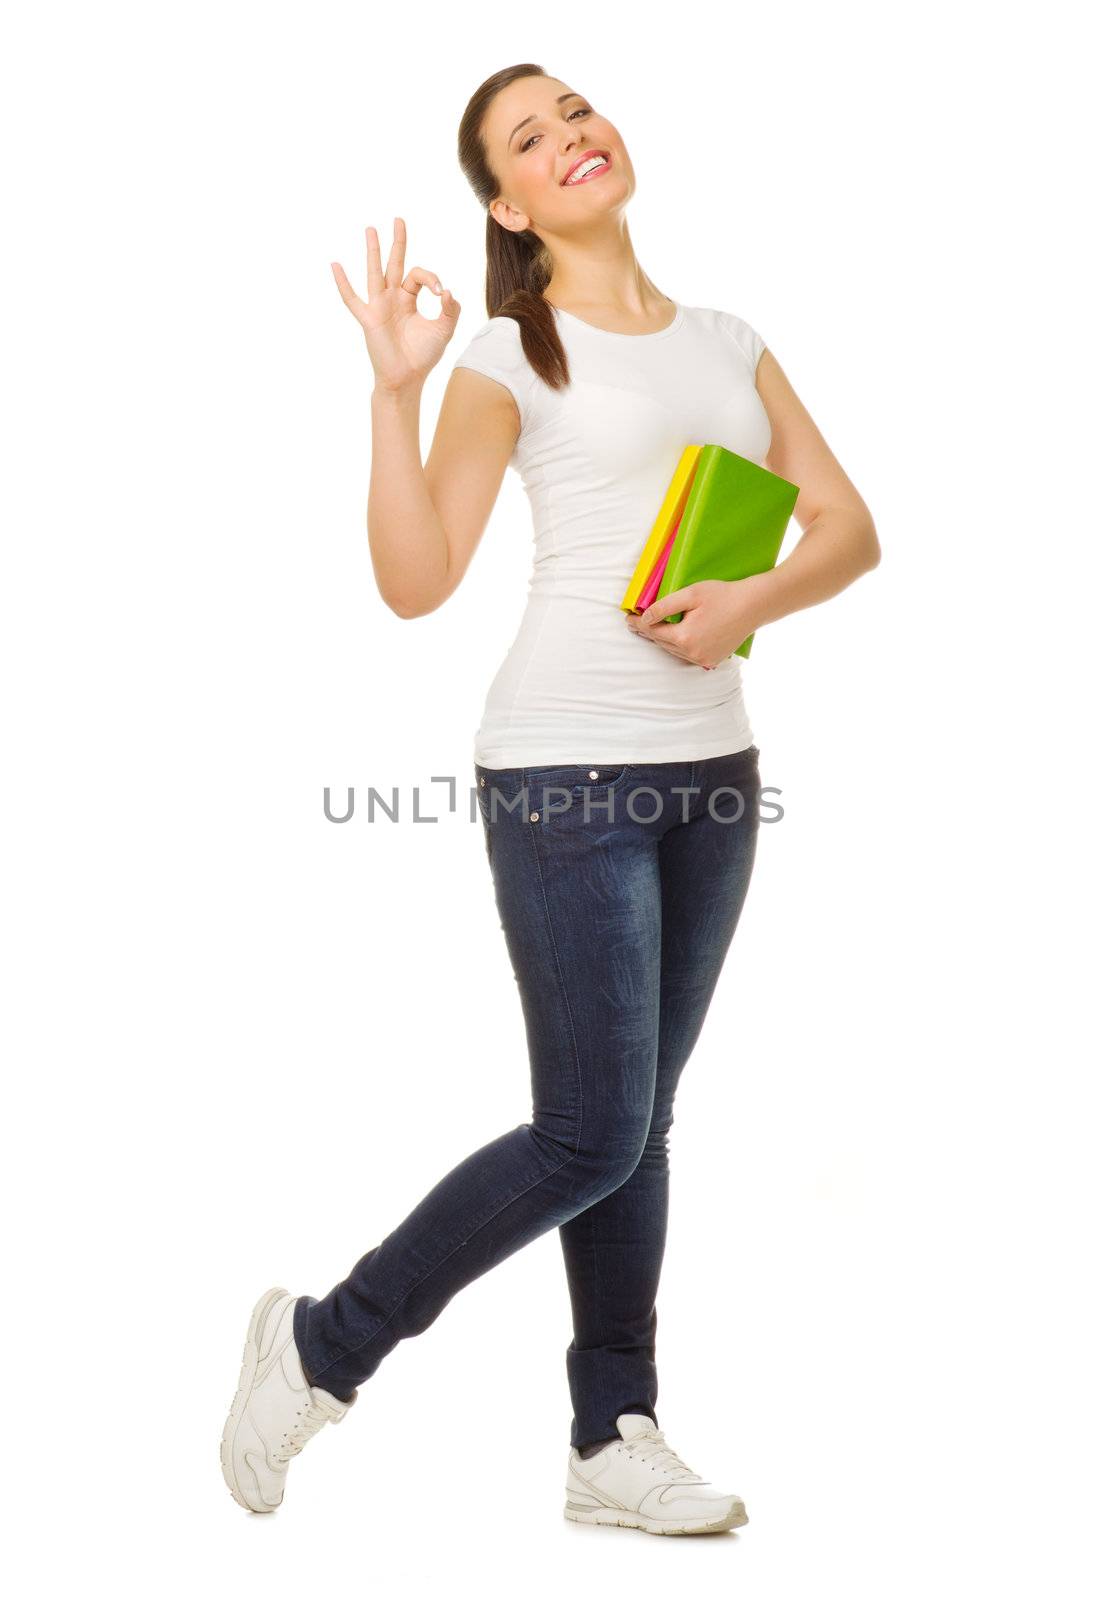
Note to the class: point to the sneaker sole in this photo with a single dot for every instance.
(250, 1361)
(610, 1517)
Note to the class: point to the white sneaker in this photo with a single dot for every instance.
(275, 1412)
(638, 1481)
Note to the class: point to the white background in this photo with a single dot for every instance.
(244, 1042)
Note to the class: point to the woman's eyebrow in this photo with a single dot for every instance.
(561, 98)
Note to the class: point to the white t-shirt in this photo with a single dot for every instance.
(595, 460)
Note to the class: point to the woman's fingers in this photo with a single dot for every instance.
(375, 279)
(394, 272)
(347, 293)
(380, 284)
(418, 278)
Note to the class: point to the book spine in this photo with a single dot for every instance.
(670, 512)
(688, 522)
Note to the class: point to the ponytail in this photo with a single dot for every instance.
(518, 265)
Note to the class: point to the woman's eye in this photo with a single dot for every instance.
(581, 111)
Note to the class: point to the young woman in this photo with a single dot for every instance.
(615, 769)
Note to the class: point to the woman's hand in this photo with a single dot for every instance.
(717, 618)
(403, 346)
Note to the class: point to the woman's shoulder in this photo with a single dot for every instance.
(730, 325)
(497, 334)
(495, 349)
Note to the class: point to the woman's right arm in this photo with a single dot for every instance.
(424, 523)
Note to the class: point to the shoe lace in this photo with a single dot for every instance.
(651, 1446)
(309, 1419)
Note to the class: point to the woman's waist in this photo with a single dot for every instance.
(608, 667)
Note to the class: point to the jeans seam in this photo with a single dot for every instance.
(593, 1224)
(533, 830)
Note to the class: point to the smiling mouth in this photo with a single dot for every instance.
(585, 169)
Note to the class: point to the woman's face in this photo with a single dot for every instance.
(534, 131)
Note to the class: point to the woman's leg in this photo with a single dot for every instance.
(581, 918)
(614, 1250)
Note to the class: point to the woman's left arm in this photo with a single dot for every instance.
(839, 542)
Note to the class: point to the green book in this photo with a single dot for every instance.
(733, 524)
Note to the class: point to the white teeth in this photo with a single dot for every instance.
(587, 166)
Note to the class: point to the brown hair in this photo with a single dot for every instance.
(518, 265)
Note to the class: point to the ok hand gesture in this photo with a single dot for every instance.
(403, 345)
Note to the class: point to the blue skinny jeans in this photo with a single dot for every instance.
(619, 890)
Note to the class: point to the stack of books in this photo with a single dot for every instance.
(723, 517)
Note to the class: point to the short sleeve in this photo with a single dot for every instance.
(496, 350)
(745, 337)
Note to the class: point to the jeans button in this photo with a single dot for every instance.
(534, 816)
(593, 774)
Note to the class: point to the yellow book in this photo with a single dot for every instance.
(668, 516)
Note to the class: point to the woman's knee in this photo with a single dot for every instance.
(601, 1155)
(609, 1161)
(597, 1166)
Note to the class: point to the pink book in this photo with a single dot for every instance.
(652, 583)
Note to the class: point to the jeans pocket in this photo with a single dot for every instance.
(499, 792)
(595, 794)
(576, 778)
